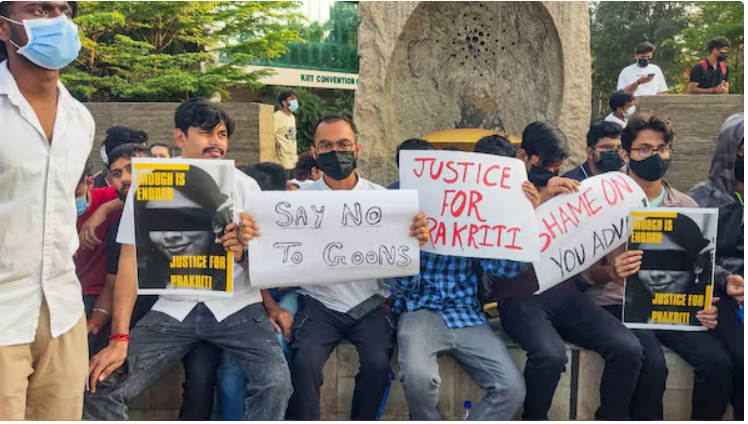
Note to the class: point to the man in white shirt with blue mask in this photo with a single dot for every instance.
(45, 140)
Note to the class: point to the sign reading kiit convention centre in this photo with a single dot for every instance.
(308, 78)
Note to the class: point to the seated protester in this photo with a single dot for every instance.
(120, 175)
(647, 141)
(541, 324)
(411, 144)
(431, 324)
(711, 75)
(116, 136)
(622, 106)
(603, 151)
(161, 150)
(280, 304)
(329, 314)
(724, 190)
(176, 325)
(305, 172)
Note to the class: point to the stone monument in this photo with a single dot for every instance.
(429, 66)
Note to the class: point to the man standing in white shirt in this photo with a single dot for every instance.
(45, 139)
(354, 311)
(642, 78)
(239, 324)
(285, 131)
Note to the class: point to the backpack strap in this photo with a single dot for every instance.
(704, 64)
(723, 68)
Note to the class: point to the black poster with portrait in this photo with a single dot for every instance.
(676, 275)
(181, 207)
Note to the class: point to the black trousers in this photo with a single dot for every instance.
(730, 331)
(317, 330)
(200, 367)
(702, 350)
(540, 324)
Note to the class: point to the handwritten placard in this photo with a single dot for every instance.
(579, 229)
(329, 237)
(474, 204)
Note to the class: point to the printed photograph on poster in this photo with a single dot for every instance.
(676, 275)
(181, 209)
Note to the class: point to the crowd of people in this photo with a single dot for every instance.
(78, 341)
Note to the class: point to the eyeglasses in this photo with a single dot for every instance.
(616, 149)
(340, 146)
(647, 151)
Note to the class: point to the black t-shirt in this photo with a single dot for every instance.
(709, 77)
(112, 248)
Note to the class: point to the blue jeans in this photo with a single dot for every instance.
(231, 380)
(160, 341)
(423, 335)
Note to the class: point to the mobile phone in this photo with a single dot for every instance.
(651, 75)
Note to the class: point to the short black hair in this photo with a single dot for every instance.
(119, 135)
(160, 144)
(285, 95)
(5, 10)
(646, 121)
(717, 43)
(201, 113)
(619, 99)
(128, 151)
(304, 167)
(270, 176)
(601, 130)
(546, 142)
(412, 144)
(87, 172)
(495, 145)
(644, 47)
(330, 118)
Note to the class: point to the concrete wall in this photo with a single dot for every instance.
(421, 71)
(696, 121)
(251, 142)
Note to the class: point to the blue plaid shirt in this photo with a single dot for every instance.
(448, 285)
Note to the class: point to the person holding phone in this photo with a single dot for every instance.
(642, 78)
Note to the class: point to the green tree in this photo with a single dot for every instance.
(168, 50)
(709, 20)
(617, 27)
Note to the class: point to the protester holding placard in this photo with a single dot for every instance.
(603, 151)
(237, 324)
(724, 190)
(355, 311)
(647, 141)
(440, 313)
(541, 323)
(410, 144)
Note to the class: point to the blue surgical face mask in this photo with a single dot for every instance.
(630, 111)
(81, 204)
(52, 43)
(293, 105)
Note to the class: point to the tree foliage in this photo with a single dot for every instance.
(168, 50)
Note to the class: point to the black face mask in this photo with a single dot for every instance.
(739, 164)
(609, 161)
(539, 176)
(337, 165)
(643, 62)
(650, 169)
(722, 58)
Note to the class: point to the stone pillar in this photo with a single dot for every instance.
(428, 66)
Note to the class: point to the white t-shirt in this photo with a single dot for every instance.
(344, 296)
(631, 73)
(612, 118)
(180, 306)
(285, 135)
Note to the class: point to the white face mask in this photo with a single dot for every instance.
(104, 157)
(630, 111)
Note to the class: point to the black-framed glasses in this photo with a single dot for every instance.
(340, 146)
(647, 151)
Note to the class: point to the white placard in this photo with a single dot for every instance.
(579, 229)
(474, 204)
(329, 237)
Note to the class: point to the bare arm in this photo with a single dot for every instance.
(103, 303)
(87, 234)
(693, 88)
